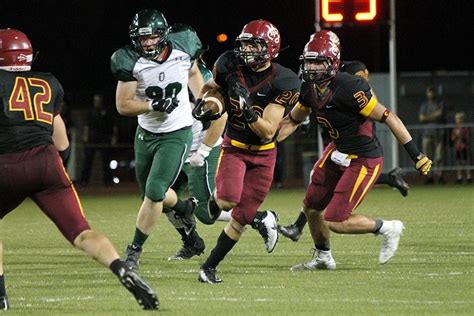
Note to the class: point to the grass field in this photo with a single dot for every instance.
(432, 273)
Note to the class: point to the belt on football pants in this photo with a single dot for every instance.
(238, 144)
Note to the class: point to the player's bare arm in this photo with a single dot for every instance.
(392, 121)
(60, 139)
(215, 131)
(266, 126)
(195, 82)
(209, 85)
(290, 123)
(125, 99)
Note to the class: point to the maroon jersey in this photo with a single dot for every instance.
(28, 101)
(276, 84)
(342, 109)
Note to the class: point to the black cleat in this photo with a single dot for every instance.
(291, 231)
(398, 182)
(193, 247)
(143, 293)
(132, 256)
(4, 305)
(208, 276)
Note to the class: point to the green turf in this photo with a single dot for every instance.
(432, 273)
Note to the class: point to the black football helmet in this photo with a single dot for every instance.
(322, 51)
(145, 23)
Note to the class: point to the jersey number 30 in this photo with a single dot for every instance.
(32, 106)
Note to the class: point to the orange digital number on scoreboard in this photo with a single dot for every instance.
(340, 11)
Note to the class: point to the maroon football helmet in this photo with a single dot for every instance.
(321, 51)
(16, 52)
(329, 35)
(264, 36)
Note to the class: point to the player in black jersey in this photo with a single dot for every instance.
(257, 91)
(31, 166)
(352, 161)
(392, 178)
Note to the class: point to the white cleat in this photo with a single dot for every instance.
(391, 232)
(322, 260)
(266, 224)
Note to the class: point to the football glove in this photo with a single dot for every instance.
(197, 159)
(245, 102)
(423, 164)
(164, 105)
(204, 115)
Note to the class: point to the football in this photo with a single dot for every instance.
(214, 101)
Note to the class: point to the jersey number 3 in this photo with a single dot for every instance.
(32, 106)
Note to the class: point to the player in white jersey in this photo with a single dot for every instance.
(153, 78)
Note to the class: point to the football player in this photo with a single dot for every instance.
(352, 161)
(153, 76)
(198, 176)
(392, 178)
(257, 91)
(32, 166)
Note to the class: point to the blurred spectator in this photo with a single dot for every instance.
(431, 114)
(460, 138)
(100, 133)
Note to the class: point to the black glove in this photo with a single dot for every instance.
(204, 115)
(246, 102)
(164, 105)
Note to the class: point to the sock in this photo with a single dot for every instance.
(139, 238)
(222, 248)
(384, 178)
(116, 265)
(301, 220)
(180, 207)
(324, 246)
(3, 292)
(378, 225)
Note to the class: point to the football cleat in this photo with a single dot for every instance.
(143, 293)
(4, 305)
(391, 232)
(266, 224)
(398, 182)
(291, 231)
(132, 256)
(208, 276)
(194, 246)
(322, 260)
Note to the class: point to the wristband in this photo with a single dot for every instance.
(412, 150)
(250, 116)
(150, 105)
(204, 150)
(65, 154)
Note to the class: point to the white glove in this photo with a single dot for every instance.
(198, 157)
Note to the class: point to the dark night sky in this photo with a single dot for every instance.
(76, 38)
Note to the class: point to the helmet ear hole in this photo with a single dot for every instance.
(16, 52)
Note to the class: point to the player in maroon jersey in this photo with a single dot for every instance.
(32, 167)
(352, 161)
(257, 92)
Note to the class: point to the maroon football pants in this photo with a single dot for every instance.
(38, 173)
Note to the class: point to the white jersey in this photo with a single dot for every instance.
(172, 75)
(166, 81)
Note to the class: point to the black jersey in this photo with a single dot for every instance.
(276, 84)
(343, 109)
(29, 101)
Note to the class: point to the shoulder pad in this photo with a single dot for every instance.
(184, 38)
(122, 63)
